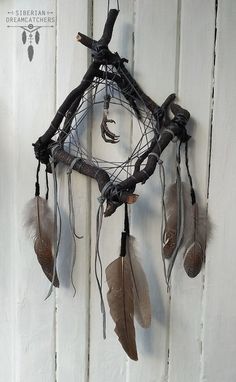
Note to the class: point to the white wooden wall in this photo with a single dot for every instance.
(185, 46)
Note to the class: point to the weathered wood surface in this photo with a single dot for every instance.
(181, 46)
(32, 334)
(194, 89)
(7, 216)
(152, 21)
(100, 355)
(72, 318)
(219, 314)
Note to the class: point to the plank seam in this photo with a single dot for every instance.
(167, 365)
(15, 238)
(131, 137)
(178, 39)
(202, 377)
(212, 99)
(55, 108)
(177, 75)
(133, 65)
(90, 9)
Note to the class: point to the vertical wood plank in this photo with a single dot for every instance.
(34, 106)
(72, 312)
(155, 52)
(107, 358)
(7, 187)
(190, 338)
(219, 344)
(194, 93)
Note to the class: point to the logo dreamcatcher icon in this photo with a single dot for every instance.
(108, 88)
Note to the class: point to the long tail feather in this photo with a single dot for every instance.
(39, 222)
(142, 305)
(121, 303)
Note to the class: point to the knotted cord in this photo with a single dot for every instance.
(192, 192)
(98, 261)
(163, 216)
(72, 221)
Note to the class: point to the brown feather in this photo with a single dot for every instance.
(39, 221)
(193, 259)
(204, 225)
(194, 254)
(121, 302)
(170, 234)
(142, 305)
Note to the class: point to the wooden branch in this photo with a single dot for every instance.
(108, 28)
(77, 92)
(121, 192)
(106, 36)
(85, 40)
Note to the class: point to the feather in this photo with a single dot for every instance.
(37, 37)
(193, 259)
(204, 225)
(194, 254)
(39, 222)
(30, 52)
(24, 37)
(121, 302)
(170, 233)
(142, 305)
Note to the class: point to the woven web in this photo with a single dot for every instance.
(91, 103)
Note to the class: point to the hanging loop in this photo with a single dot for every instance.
(117, 5)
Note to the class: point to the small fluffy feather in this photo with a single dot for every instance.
(31, 216)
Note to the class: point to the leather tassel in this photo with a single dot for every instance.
(194, 255)
(39, 222)
(121, 300)
(142, 305)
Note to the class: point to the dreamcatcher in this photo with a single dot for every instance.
(107, 85)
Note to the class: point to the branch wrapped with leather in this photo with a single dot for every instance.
(123, 192)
